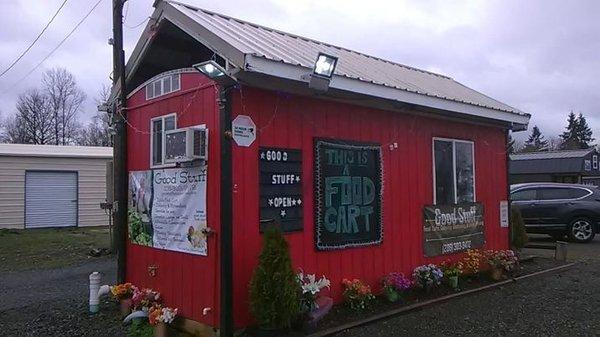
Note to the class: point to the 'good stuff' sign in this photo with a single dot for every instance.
(348, 194)
(452, 228)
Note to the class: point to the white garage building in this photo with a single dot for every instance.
(52, 186)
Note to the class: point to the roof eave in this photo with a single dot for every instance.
(257, 64)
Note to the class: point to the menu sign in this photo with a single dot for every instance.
(348, 194)
(280, 188)
(451, 229)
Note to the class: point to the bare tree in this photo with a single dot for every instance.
(33, 121)
(96, 132)
(64, 102)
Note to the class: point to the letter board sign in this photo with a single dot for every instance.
(280, 188)
(348, 187)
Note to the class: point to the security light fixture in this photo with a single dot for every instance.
(215, 72)
(325, 65)
(322, 72)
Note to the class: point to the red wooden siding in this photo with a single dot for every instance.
(284, 120)
(188, 282)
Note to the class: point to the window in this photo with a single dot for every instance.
(158, 126)
(454, 171)
(561, 193)
(595, 161)
(523, 195)
(163, 85)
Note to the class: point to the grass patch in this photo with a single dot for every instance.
(24, 249)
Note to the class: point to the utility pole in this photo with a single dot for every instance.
(120, 141)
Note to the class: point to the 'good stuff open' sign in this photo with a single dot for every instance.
(348, 194)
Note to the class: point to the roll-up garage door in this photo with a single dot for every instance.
(50, 199)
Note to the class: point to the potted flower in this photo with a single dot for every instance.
(159, 317)
(357, 295)
(427, 276)
(501, 261)
(472, 263)
(451, 273)
(394, 284)
(143, 299)
(123, 293)
(310, 289)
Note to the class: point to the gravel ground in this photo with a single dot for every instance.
(560, 304)
(54, 302)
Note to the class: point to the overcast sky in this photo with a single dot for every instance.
(542, 57)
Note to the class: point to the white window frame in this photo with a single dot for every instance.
(453, 140)
(161, 79)
(595, 162)
(162, 119)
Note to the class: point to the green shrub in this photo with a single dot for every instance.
(518, 235)
(274, 290)
(140, 328)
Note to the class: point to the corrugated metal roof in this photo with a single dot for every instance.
(551, 154)
(28, 150)
(271, 44)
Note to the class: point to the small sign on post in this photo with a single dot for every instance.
(244, 130)
(504, 214)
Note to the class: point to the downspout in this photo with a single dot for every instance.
(226, 235)
(506, 134)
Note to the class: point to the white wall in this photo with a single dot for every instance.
(92, 187)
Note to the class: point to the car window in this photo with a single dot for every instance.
(528, 194)
(578, 193)
(553, 193)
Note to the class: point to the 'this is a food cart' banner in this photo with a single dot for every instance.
(348, 194)
(450, 229)
(167, 209)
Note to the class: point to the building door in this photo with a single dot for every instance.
(50, 199)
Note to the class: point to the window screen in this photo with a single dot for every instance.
(157, 142)
(454, 172)
(444, 177)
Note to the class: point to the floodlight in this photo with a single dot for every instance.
(325, 65)
(215, 72)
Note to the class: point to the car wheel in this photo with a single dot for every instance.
(581, 230)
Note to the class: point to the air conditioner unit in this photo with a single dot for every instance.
(186, 144)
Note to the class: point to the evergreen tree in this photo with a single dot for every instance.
(274, 289)
(584, 133)
(578, 134)
(536, 141)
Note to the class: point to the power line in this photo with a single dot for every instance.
(34, 41)
(58, 46)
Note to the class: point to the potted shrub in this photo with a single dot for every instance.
(427, 276)
(518, 235)
(357, 295)
(123, 293)
(394, 284)
(274, 295)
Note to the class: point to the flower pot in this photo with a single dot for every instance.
(496, 274)
(453, 282)
(125, 306)
(392, 295)
(160, 330)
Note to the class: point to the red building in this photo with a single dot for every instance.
(365, 176)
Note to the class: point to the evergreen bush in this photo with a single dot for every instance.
(274, 289)
(518, 235)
